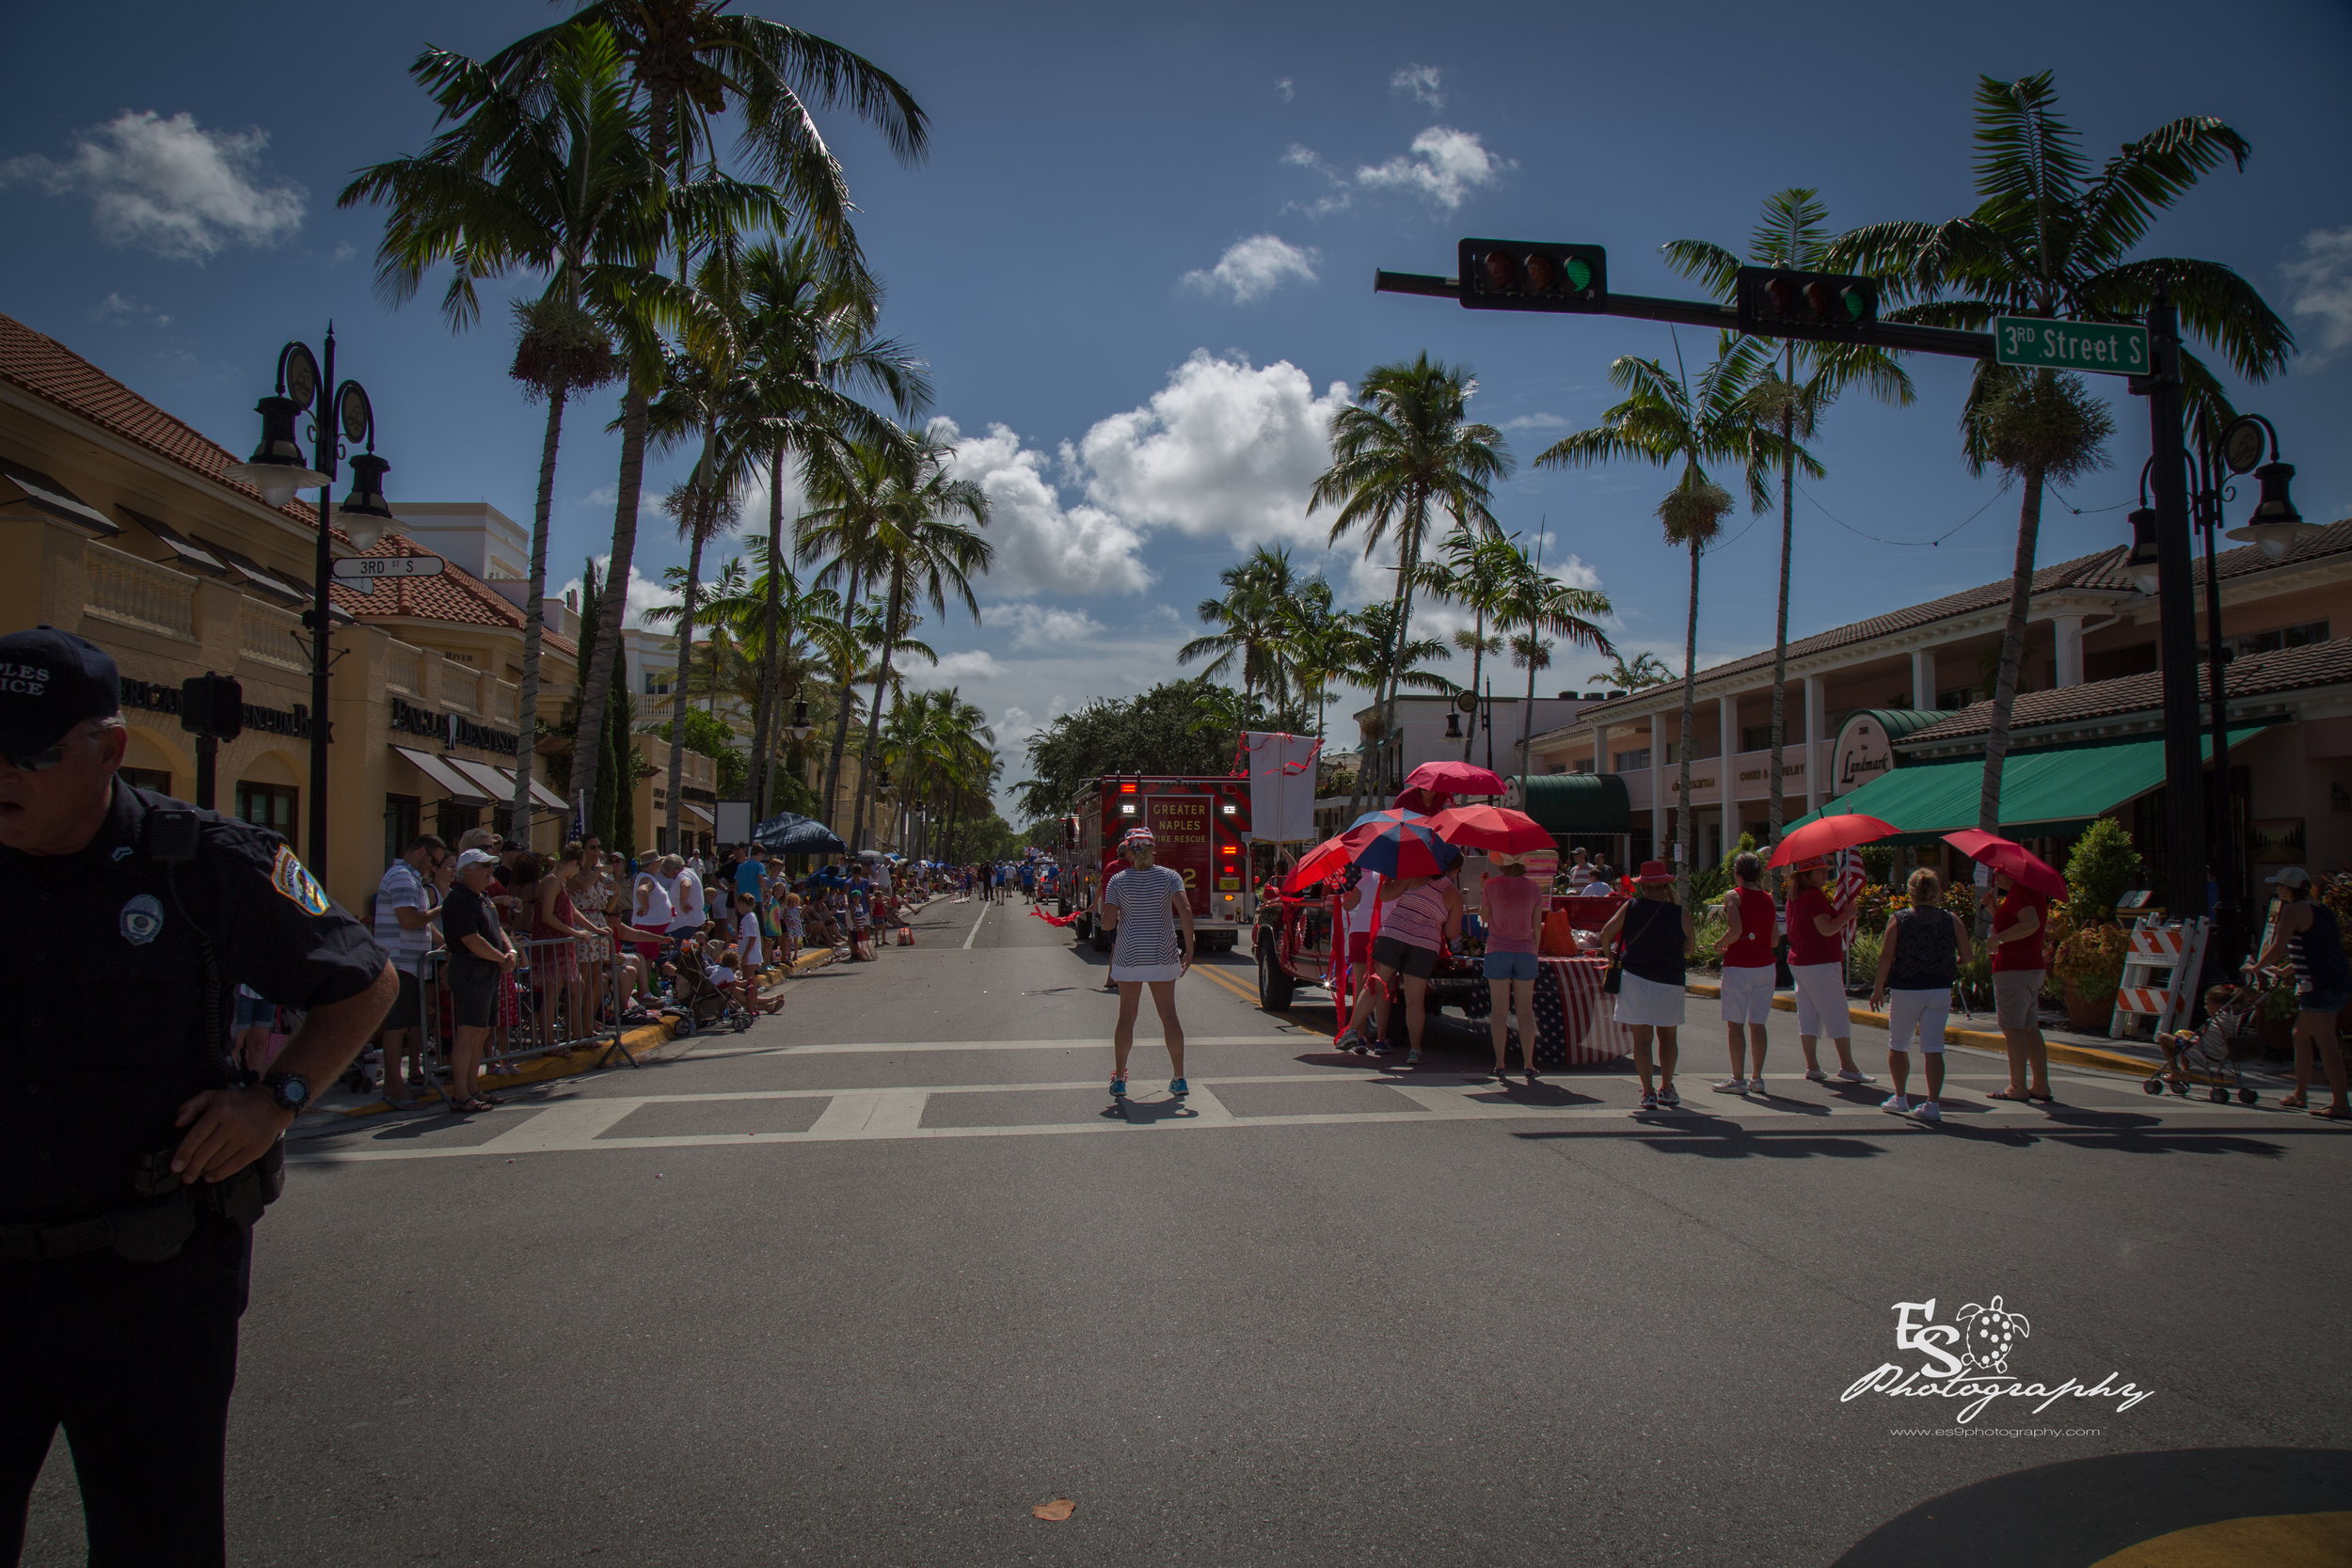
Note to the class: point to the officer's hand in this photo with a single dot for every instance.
(233, 1129)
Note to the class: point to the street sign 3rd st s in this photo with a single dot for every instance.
(365, 569)
(2111, 348)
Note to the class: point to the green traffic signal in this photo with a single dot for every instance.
(1774, 302)
(1525, 274)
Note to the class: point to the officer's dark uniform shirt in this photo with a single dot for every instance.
(101, 962)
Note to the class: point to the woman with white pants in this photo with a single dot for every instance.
(1749, 967)
(1917, 963)
(1817, 957)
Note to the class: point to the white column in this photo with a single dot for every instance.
(1923, 678)
(2070, 648)
(1600, 749)
(1727, 774)
(1815, 744)
(1657, 785)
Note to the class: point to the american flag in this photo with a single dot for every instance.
(1850, 882)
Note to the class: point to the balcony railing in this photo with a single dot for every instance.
(404, 670)
(461, 685)
(139, 592)
(505, 701)
(267, 635)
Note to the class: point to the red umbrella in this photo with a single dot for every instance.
(1823, 834)
(2010, 859)
(1400, 848)
(1454, 778)
(1324, 861)
(1491, 828)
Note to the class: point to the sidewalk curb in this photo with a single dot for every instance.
(1980, 1039)
(646, 1042)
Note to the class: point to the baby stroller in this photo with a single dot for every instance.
(2212, 1054)
(705, 1003)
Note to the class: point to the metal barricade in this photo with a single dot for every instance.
(550, 1001)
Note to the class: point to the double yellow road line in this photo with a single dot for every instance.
(1249, 993)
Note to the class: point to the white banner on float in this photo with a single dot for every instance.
(1281, 786)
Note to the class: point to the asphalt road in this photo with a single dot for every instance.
(867, 1283)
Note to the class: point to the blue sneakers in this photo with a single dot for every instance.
(1178, 1088)
(1119, 1087)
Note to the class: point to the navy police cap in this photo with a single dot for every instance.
(50, 681)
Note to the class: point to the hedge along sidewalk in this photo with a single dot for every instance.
(2068, 1052)
(647, 1042)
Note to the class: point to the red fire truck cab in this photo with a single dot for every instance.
(1201, 828)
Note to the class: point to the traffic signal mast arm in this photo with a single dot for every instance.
(1700, 312)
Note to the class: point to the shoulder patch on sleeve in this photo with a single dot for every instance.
(288, 877)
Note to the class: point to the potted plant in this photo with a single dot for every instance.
(2090, 964)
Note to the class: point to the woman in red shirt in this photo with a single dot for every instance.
(2018, 971)
(1746, 944)
(1817, 957)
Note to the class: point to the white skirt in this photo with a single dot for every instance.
(1147, 972)
(1647, 1003)
(1747, 995)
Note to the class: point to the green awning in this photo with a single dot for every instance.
(2050, 791)
(1574, 803)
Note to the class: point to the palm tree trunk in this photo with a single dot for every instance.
(849, 698)
(866, 791)
(534, 626)
(1689, 703)
(770, 653)
(1478, 659)
(594, 701)
(2012, 657)
(685, 662)
(1780, 636)
(1527, 712)
(1404, 626)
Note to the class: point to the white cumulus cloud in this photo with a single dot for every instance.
(2322, 283)
(1422, 82)
(121, 310)
(1041, 546)
(1442, 168)
(1253, 268)
(1285, 89)
(1036, 625)
(645, 594)
(169, 185)
(1224, 449)
(952, 669)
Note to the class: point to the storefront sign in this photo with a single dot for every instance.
(454, 728)
(161, 697)
(1865, 751)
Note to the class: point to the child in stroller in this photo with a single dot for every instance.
(2215, 1052)
(701, 995)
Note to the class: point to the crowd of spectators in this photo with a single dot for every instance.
(521, 953)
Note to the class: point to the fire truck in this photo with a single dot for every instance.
(1200, 827)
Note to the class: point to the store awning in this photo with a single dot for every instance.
(2046, 792)
(184, 550)
(459, 787)
(1573, 802)
(701, 813)
(43, 494)
(499, 784)
(547, 797)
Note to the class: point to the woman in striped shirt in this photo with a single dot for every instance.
(1145, 908)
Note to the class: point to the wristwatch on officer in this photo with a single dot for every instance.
(288, 1092)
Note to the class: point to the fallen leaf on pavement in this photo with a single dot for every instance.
(1060, 1507)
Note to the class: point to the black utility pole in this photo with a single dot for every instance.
(2184, 755)
(318, 618)
(2223, 826)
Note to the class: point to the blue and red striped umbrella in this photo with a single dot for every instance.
(1400, 848)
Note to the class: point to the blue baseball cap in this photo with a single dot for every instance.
(50, 681)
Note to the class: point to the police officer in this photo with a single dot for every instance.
(133, 1160)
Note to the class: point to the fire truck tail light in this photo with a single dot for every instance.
(1127, 808)
(1232, 810)
(1126, 789)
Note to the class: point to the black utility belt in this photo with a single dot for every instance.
(159, 1225)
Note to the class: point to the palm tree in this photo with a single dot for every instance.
(1403, 452)
(1530, 604)
(1250, 620)
(2048, 238)
(855, 488)
(696, 60)
(548, 174)
(1646, 670)
(925, 549)
(1313, 638)
(1475, 569)
(1792, 231)
(1664, 420)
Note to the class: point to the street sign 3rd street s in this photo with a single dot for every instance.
(365, 569)
(2111, 348)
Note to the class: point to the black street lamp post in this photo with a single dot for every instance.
(278, 471)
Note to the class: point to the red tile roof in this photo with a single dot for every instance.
(55, 373)
(2255, 676)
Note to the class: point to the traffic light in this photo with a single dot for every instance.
(213, 707)
(1528, 275)
(1823, 306)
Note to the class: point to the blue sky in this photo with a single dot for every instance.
(1139, 259)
